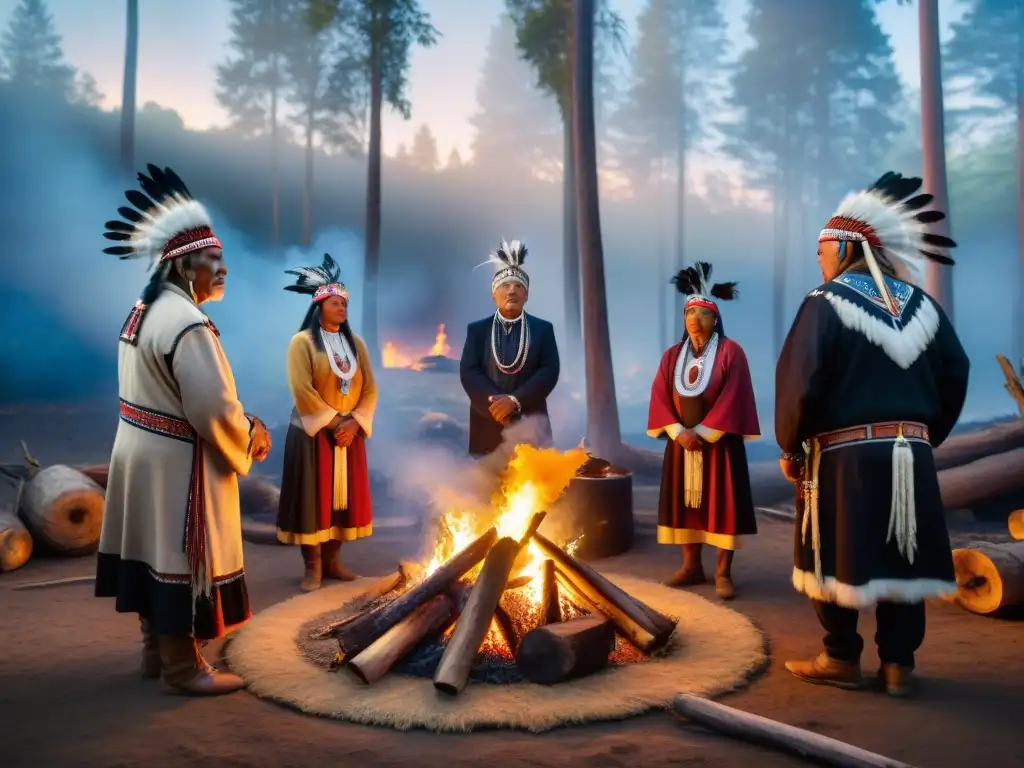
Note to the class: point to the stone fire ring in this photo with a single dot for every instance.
(715, 650)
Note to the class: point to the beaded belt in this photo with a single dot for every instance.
(885, 430)
(156, 422)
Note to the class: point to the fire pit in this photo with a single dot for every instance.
(501, 605)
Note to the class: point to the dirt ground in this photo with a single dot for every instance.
(70, 693)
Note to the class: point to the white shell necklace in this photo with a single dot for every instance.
(693, 372)
(341, 357)
(524, 343)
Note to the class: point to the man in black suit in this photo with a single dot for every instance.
(510, 362)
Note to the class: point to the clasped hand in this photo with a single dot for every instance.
(261, 441)
(689, 440)
(502, 407)
(345, 432)
(792, 469)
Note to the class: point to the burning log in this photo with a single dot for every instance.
(382, 586)
(518, 581)
(63, 510)
(990, 576)
(453, 670)
(360, 633)
(576, 597)
(382, 654)
(460, 654)
(507, 629)
(565, 650)
(647, 629)
(550, 610)
(15, 542)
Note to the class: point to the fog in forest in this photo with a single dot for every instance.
(766, 160)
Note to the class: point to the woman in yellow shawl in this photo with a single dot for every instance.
(325, 487)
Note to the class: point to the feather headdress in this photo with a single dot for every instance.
(695, 282)
(164, 224)
(889, 216)
(508, 258)
(318, 282)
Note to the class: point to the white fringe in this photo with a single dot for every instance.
(904, 346)
(693, 478)
(868, 594)
(903, 514)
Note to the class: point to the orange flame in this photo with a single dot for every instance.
(440, 342)
(393, 356)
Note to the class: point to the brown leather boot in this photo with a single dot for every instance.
(150, 651)
(824, 670)
(724, 587)
(692, 572)
(185, 670)
(314, 573)
(897, 680)
(331, 565)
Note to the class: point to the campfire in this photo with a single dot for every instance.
(393, 355)
(494, 587)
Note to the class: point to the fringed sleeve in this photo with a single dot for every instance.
(662, 419)
(209, 399)
(314, 413)
(367, 405)
(800, 374)
(734, 412)
(953, 371)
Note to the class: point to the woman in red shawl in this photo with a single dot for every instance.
(702, 401)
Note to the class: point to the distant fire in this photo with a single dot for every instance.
(395, 356)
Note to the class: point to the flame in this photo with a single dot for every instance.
(533, 480)
(393, 356)
(441, 346)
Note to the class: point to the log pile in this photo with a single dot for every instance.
(990, 577)
(555, 649)
(58, 511)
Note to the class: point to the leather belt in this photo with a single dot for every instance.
(884, 430)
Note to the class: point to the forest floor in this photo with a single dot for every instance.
(70, 694)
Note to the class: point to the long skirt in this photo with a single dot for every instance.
(726, 509)
(307, 513)
(859, 563)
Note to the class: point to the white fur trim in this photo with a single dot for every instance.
(902, 346)
(874, 591)
(160, 225)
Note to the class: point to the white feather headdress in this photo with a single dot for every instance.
(165, 223)
(509, 258)
(888, 216)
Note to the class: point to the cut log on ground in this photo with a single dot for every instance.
(971, 446)
(565, 650)
(63, 510)
(382, 586)
(1016, 524)
(460, 654)
(375, 661)
(357, 635)
(15, 542)
(647, 629)
(1012, 384)
(760, 730)
(550, 609)
(988, 478)
(990, 576)
(98, 473)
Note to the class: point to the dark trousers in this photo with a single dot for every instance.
(899, 631)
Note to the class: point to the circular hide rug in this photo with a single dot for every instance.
(714, 650)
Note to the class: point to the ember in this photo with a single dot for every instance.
(496, 601)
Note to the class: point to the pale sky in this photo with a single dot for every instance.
(182, 41)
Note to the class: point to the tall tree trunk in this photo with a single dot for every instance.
(1019, 303)
(782, 218)
(131, 66)
(275, 160)
(373, 199)
(570, 255)
(664, 275)
(933, 142)
(307, 196)
(603, 433)
(680, 251)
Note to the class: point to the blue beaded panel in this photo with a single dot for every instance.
(865, 286)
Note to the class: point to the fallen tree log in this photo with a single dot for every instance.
(990, 576)
(359, 634)
(971, 484)
(550, 609)
(971, 446)
(372, 663)
(647, 629)
(761, 730)
(63, 510)
(565, 650)
(15, 542)
(1016, 524)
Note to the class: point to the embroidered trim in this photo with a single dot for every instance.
(132, 324)
(156, 422)
(704, 365)
(183, 578)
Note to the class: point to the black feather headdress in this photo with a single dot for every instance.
(695, 282)
(164, 223)
(311, 278)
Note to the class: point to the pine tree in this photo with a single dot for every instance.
(31, 52)
(424, 150)
(454, 162)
